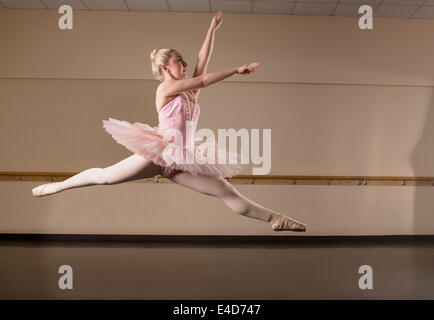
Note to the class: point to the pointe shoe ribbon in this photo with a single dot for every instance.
(280, 222)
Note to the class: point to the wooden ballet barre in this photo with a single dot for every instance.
(251, 179)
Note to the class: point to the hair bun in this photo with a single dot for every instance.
(153, 54)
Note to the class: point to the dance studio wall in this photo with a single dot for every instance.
(339, 100)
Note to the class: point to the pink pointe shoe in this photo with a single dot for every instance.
(47, 189)
(281, 222)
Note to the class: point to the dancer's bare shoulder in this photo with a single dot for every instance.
(162, 99)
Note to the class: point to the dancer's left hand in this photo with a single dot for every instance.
(216, 21)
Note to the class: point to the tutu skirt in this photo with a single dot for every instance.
(147, 142)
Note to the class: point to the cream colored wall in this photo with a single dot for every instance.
(339, 101)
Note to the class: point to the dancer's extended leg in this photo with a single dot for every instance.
(222, 189)
(134, 167)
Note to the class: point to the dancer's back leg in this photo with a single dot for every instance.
(134, 167)
(222, 189)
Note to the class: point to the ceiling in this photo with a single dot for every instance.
(422, 9)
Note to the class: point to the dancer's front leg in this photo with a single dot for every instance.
(132, 168)
(238, 203)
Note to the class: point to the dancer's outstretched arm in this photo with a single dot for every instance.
(172, 87)
(206, 50)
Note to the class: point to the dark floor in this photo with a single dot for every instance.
(217, 270)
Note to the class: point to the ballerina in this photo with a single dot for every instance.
(154, 146)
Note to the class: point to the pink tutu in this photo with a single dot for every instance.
(147, 141)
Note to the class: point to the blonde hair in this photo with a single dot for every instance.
(158, 58)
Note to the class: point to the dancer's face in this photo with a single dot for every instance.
(177, 66)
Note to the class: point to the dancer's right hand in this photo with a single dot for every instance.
(247, 68)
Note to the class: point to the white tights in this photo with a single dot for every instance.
(137, 167)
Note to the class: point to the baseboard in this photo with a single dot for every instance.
(282, 238)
